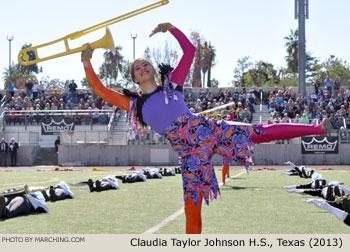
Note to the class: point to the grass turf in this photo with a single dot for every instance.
(250, 204)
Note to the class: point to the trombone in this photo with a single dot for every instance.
(105, 42)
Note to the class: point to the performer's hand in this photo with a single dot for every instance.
(164, 27)
(86, 55)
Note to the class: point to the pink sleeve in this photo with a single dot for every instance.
(181, 71)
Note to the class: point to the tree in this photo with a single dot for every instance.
(243, 65)
(292, 51)
(126, 76)
(21, 74)
(261, 74)
(111, 67)
(207, 60)
(334, 67)
(166, 55)
(18, 78)
(214, 83)
(85, 83)
(195, 72)
(211, 62)
(53, 84)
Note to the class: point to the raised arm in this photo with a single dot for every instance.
(120, 100)
(181, 71)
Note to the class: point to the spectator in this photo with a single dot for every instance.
(336, 86)
(35, 90)
(3, 152)
(143, 136)
(41, 89)
(131, 136)
(317, 86)
(246, 115)
(297, 119)
(57, 143)
(29, 86)
(285, 119)
(304, 118)
(72, 88)
(328, 84)
(13, 146)
(11, 89)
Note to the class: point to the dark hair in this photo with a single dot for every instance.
(139, 104)
(164, 70)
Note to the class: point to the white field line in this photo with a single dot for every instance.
(178, 213)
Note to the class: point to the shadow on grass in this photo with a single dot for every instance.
(20, 216)
(227, 187)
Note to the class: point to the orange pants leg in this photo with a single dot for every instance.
(193, 216)
(225, 171)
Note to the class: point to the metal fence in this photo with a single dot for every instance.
(23, 138)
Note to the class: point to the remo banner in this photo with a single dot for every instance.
(319, 145)
(55, 128)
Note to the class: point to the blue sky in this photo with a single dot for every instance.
(235, 28)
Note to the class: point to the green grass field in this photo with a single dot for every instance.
(250, 204)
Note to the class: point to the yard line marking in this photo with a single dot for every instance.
(237, 175)
(165, 221)
(178, 213)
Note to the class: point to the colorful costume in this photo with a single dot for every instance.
(195, 138)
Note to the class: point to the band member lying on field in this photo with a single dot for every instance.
(12, 205)
(167, 172)
(316, 184)
(132, 177)
(339, 210)
(106, 183)
(152, 173)
(329, 192)
(300, 171)
(59, 192)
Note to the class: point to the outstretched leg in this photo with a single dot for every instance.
(193, 216)
(225, 171)
(284, 131)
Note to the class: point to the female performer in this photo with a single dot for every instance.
(195, 138)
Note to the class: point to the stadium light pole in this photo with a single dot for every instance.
(10, 38)
(301, 12)
(133, 36)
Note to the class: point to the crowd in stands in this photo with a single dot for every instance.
(285, 105)
(325, 101)
(36, 98)
(242, 103)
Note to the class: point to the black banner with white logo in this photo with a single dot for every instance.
(55, 128)
(319, 145)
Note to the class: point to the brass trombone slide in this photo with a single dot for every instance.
(23, 57)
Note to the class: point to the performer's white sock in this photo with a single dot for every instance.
(291, 164)
(296, 191)
(290, 187)
(340, 214)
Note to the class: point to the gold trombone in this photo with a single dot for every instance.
(105, 42)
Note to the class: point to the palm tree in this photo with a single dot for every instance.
(292, 51)
(111, 67)
(211, 62)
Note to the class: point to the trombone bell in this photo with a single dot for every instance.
(105, 42)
